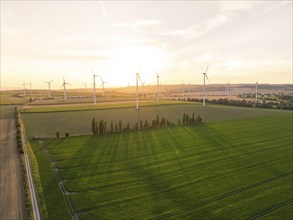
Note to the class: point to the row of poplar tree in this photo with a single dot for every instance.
(101, 126)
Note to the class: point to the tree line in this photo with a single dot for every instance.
(100, 127)
(285, 105)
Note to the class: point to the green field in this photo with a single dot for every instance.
(224, 169)
(46, 124)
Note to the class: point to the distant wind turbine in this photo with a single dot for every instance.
(128, 89)
(64, 87)
(30, 83)
(23, 87)
(227, 88)
(256, 84)
(205, 76)
(158, 86)
(183, 90)
(137, 77)
(94, 79)
(142, 83)
(103, 85)
(49, 85)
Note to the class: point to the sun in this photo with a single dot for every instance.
(128, 60)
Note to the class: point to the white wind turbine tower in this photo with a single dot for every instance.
(256, 84)
(137, 77)
(30, 83)
(94, 78)
(128, 89)
(227, 89)
(49, 87)
(183, 90)
(103, 85)
(23, 87)
(204, 85)
(158, 86)
(64, 87)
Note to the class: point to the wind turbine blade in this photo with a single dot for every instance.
(139, 77)
(156, 73)
(207, 69)
(92, 71)
(140, 68)
(207, 77)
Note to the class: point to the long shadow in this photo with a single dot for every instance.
(219, 141)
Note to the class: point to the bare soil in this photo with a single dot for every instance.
(12, 200)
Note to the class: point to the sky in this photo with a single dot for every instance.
(241, 41)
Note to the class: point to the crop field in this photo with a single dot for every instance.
(222, 169)
(76, 120)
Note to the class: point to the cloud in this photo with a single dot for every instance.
(138, 25)
(229, 6)
(7, 19)
(199, 30)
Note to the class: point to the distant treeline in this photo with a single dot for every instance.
(260, 104)
(100, 127)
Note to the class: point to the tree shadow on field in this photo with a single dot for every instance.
(83, 159)
(159, 188)
(217, 140)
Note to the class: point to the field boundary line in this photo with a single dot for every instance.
(224, 196)
(74, 215)
(271, 209)
(34, 201)
(106, 108)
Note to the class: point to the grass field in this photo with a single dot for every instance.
(46, 124)
(224, 169)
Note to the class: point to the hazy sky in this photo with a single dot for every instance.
(242, 41)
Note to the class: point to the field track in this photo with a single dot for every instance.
(12, 200)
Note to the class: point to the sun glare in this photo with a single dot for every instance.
(127, 61)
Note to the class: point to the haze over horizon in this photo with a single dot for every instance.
(243, 41)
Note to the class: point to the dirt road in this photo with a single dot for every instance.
(12, 203)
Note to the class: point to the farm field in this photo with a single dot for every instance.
(222, 169)
(46, 124)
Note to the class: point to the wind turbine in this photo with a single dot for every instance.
(137, 77)
(49, 85)
(103, 85)
(158, 79)
(204, 85)
(227, 88)
(30, 83)
(183, 90)
(142, 83)
(94, 78)
(23, 87)
(128, 89)
(64, 87)
(256, 84)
